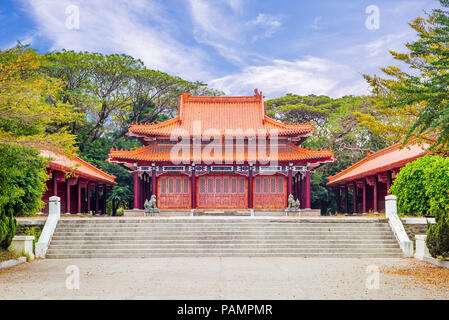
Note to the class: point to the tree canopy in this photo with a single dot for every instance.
(413, 102)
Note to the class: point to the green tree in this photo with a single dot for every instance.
(337, 127)
(23, 177)
(31, 112)
(413, 103)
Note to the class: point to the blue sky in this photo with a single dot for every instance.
(303, 47)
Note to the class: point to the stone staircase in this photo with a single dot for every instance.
(224, 237)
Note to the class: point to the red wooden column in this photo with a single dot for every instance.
(250, 187)
(103, 207)
(55, 183)
(337, 193)
(69, 182)
(88, 198)
(301, 190)
(154, 181)
(97, 191)
(388, 181)
(375, 209)
(289, 181)
(354, 198)
(136, 190)
(142, 189)
(364, 196)
(78, 209)
(193, 188)
(346, 199)
(67, 196)
(307, 186)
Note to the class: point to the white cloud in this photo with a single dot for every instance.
(136, 27)
(220, 25)
(310, 75)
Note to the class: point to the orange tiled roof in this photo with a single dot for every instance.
(159, 153)
(386, 159)
(200, 114)
(79, 167)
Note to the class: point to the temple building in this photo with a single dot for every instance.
(81, 186)
(371, 178)
(221, 153)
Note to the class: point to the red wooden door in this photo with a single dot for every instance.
(269, 192)
(222, 191)
(173, 192)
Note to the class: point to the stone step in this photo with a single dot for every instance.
(222, 241)
(222, 245)
(239, 237)
(215, 254)
(243, 234)
(221, 250)
(219, 227)
(222, 220)
(299, 236)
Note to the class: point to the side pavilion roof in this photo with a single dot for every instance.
(392, 157)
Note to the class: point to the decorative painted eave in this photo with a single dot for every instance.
(163, 153)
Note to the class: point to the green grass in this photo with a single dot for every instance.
(8, 255)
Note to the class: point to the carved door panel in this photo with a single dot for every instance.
(222, 191)
(269, 192)
(173, 192)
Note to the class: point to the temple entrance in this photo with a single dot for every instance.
(173, 192)
(222, 191)
(270, 192)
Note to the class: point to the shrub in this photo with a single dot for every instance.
(120, 212)
(23, 179)
(410, 187)
(437, 186)
(438, 236)
(8, 227)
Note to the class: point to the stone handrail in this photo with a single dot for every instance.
(49, 228)
(397, 226)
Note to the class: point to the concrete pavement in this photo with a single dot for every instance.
(218, 278)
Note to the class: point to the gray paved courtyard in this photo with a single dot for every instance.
(226, 278)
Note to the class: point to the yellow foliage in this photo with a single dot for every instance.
(30, 111)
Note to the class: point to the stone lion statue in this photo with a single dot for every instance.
(291, 201)
(150, 206)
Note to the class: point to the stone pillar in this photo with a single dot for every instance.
(54, 206)
(307, 185)
(136, 190)
(250, 187)
(346, 199)
(354, 198)
(375, 201)
(391, 208)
